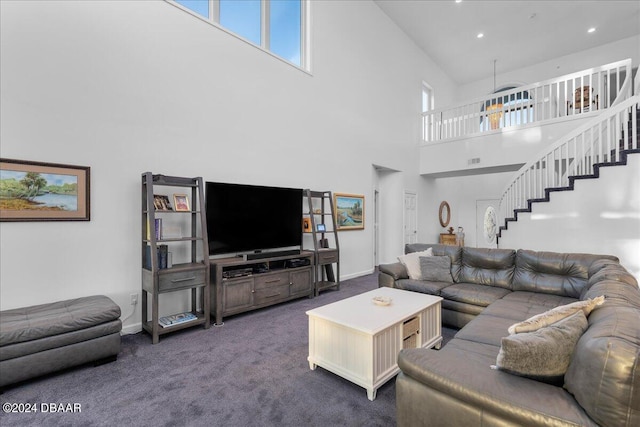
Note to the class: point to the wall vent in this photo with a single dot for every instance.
(474, 161)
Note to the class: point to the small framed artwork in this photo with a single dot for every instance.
(349, 211)
(181, 202)
(36, 191)
(161, 202)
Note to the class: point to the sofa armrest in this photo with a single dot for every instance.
(389, 273)
(396, 270)
(469, 388)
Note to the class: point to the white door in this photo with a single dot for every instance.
(410, 217)
(376, 228)
(486, 223)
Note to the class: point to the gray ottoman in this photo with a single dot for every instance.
(45, 338)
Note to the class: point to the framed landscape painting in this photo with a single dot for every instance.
(349, 211)
(35, 191)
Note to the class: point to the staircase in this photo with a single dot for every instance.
(606, 140)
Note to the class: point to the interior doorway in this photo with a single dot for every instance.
(410, 217)
(485, 237)
(376, 228)
(388, 210)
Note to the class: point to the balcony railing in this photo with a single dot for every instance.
(570, 95)
(597, 142)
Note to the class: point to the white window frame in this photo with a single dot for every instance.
(305, 18)
(426, 88)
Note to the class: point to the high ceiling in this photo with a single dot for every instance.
(516, 33)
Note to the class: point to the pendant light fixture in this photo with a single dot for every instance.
(495, 108)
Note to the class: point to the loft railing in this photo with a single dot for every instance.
(569, 95)
(600, 141)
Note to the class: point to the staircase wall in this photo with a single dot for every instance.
(600, 215)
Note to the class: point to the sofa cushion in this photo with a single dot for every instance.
(436, 269)
(453, 252)
(493, 267)
(555, 273)
(462, 307)
(471, 293)
(544, 354)
(431, 288)
(543, 302)
(485, 329)
(411, 261)
(611, 272)
(617, 293)
(604, 374)
(555, 314)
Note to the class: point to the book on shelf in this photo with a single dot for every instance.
(176, 319)
(157, 229)
(163, 257)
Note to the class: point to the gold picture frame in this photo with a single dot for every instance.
(181, 202)
(37, 191)
(348, 211)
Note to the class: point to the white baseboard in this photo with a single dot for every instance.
(131, 329)
(137, 327)
(358, 274)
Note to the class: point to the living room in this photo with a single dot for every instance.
(130, 87)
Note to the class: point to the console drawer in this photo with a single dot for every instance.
(274, 293)
(327, 256)
(180, 279)
(264, 281)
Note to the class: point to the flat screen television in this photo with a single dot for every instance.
(248, 218)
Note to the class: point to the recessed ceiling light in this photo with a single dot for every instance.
(480, 35)
(458, 1)
(591, 30)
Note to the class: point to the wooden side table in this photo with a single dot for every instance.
(447, 239)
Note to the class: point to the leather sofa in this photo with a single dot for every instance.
(493, 289)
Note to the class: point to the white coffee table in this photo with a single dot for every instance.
(360, 341)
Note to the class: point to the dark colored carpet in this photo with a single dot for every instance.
(253, 371)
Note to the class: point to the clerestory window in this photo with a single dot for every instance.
(277, 26)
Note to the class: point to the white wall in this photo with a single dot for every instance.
(129, 87)
(504, 149)
(578, 61)
(599, 216)
(511, 147)
(461, 193)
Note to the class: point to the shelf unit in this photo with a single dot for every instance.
(192, 275)
(325, 246)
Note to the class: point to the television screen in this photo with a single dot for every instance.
(246, 218)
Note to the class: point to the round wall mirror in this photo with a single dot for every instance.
(444, 214)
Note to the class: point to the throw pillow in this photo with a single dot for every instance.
(548, 317)
(545, 354)
(411, 261)
(436, 268)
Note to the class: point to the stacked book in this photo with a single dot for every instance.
(163, 257)
(176, 319)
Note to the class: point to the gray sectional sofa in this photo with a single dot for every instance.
(489, 291)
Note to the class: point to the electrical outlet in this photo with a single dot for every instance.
(134, 299)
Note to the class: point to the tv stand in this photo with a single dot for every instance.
(239, 285)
